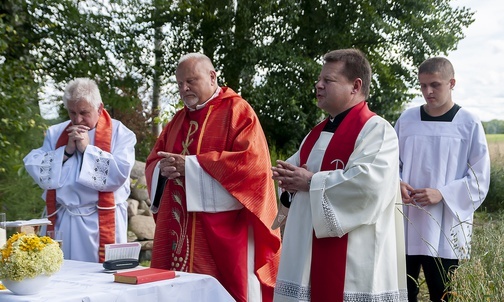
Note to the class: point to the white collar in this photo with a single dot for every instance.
(200, 106)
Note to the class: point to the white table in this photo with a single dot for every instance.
(87, 282)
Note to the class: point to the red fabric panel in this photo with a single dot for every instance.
(327, 278)
(106, 215)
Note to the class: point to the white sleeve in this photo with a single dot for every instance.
(45, 164)
(345, 199)
(109, 171)
(204, 193)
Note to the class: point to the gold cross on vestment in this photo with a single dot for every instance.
(193, 127)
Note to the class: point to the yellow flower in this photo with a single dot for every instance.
(28, 255)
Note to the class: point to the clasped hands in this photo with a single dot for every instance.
(290, 177)
(171, 165)
(421, 197)
(78, 139)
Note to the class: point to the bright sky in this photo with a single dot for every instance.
(479, 61)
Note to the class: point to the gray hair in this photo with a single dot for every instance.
(82, 89)
(195, 55)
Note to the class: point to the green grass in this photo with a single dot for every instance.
(495, 138)
(481, 278)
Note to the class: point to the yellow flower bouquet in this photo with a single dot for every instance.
(26, 256)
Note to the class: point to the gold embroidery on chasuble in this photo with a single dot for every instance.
(180, 239)
(193, 127)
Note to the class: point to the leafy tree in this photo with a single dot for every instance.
(395, 35)
(269, 51)
(98, 40)
(21, 125)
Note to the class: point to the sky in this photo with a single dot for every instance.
(479, 61)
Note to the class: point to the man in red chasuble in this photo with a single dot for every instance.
(210, 181)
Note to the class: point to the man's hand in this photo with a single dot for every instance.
(78, 139)
(292, 178)
(406, 190)
(426, 196)
(171, 165)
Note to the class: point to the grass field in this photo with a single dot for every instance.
(495, 146)
(495, 138)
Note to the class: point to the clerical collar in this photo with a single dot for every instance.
(200, 106)
(334, 122)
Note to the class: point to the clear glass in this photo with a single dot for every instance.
(3, 229)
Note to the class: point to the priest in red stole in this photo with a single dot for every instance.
(209, 176)
(84, 167)
(343, 237)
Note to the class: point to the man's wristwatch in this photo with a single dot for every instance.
(309, 181)
(67, 154)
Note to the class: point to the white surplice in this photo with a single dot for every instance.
(362, 202)
(453, 158)
(77, 183)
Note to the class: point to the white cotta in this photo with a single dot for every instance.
(78, 182)
(457, 163)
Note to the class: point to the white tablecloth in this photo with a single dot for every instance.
(87, 282)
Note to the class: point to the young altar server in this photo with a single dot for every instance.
(84, 168)
(343, 237)
(445, 170)
(210, 181)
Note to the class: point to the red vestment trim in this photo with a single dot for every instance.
(327, 277)
(106, 202)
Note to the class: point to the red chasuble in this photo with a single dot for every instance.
(230, 146)
(327, 278)
(106, 202)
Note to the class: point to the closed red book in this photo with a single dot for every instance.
(144, 275)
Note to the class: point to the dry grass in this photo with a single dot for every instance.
(495, 146)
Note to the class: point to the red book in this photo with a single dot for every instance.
(144, 275)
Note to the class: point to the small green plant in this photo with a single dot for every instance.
(494, 200)
(481, 277)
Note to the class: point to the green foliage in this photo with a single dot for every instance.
(97, 40)
(21, 125)
(494, 200)
(269, 51)
(481, 277)
(494, 127)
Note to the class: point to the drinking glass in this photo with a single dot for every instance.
(3, 230)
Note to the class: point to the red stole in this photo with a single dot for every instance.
(329, 254)
(106, 202)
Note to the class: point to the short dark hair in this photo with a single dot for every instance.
(437, 64)
(356, 66)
